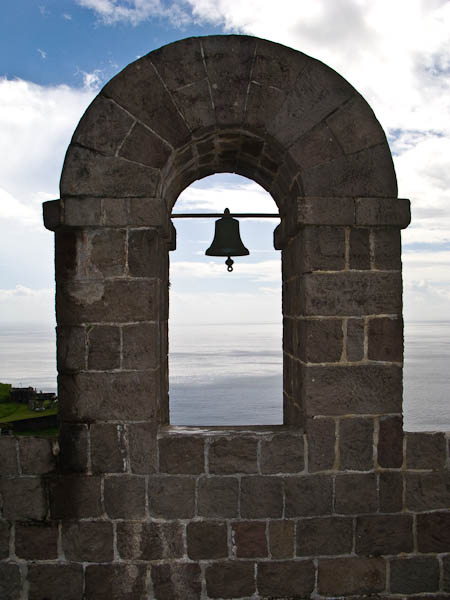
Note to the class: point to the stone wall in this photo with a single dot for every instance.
(338, 502)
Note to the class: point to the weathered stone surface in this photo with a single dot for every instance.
(387, 248)
(10, 584)
(54, 582)
(73, 445)
(390, 442)
(71, 349)
(356, 444)
(319, 340)
(325, 211)
(36, 541)
(218, 497)
(145, 253)
(286, 578)
(125, 496)
(230, 456)
(230, 579)
(140, 346)
(383, 211)
(88, 541)
(179, 64)
(425, 450)
(142, 446)
(385, 339)
(8, 453)
(249, 539)
(358, 389)
(391, 491)
(281, 539)
(172, 581)
(414, 575)
(103, 347)
(322, 248)
(75, 497)
(116, 582)
(194, 103)
(427, 491)
(282, 454)
(144, 147)
(206, 540)
(315, 147)
(181, 454)
(355, 340)
(324, 536)
(433, 532)
(356, 493)
(351, 293)
(4, 539)
(261, 497)
(116, 396)
(446, 573)
(359, 249)
(171, 497)
(343, 576)
(150, 541)
(77, 212)
(101, 253)
(108, 448)
(308, 495)
(321, 444)
(23, 498)
(384, 534)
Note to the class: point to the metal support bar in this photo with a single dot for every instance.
(218, 215)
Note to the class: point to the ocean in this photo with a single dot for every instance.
(232, 374)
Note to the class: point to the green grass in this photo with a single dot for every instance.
(4, 391)
(14, 411)
(45, 433)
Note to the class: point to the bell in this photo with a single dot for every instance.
(227, 240)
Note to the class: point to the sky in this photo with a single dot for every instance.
(55, 55)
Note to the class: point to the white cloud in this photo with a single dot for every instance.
(22, 303)
(263, 271)
(42, 53)
(136, 11)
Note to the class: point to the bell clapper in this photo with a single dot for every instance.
(229, 262)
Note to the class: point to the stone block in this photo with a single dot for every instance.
(319, 340)
(346, 576)
(391, 491)
(181, 455)
(325, 211)
(356, 493)
(150, 541)
(385, 339)
(171, 497)
(88, 173)
(433, 532)
(351, 293)
(346, 390)
(427, 491)
(71, 349)
(387, 248)
(315, 147)
(321, 444)
(23, 499)
(249, 539)
(51, 212)
(195, 105)
(103, 127)
(218, 497)
(359, 249)
(283, 453)
(145, 253)
(323, 248)
(4, 539)
(104, 346)
(88, 541)
(73, 444)
(110, 301)
(142, 446)
(10, 583)
(367, 173)
(425, 451)
(116, 582)
(118, 396)
(281, 539)
(54, 582)
(125, 496)
(356, 444)
(324, 536)
(108, 448)
(355, 340)
(179, 64)
(414, 575)
(140, 346)
(383, 211)
(446, 573)
(206, 540)
(286, 578)
(77, 212)
(8, 453)
(384, 534)
(232, 455)
(172, 581)
(355, 126)
(101, 253)
(262, 103)
(75, 497)
(144, 147)
(230, 579)
(390, 442)
(35, 541)
(261, 496)
(308, 495)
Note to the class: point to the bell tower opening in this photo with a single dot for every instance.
(225, 328)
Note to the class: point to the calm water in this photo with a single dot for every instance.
(223, 370)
